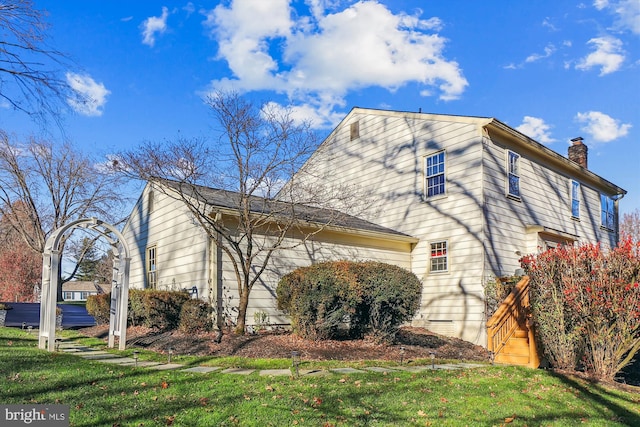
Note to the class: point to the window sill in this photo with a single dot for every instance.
(575, 218)
(515, 198)
(434, 198)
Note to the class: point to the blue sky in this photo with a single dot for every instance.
(553, 69)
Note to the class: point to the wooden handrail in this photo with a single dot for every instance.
(512, 312)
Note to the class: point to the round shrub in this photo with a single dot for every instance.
(391, 296)
(319, 298)
(195, 316)
(353, 297)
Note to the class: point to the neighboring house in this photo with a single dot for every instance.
(80, 290)
(459, 201)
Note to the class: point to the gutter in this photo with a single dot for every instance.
(560, 160)
(403, 238)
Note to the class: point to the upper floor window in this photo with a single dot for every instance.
(439, 259)
(513, 174)
(575, 199)
(152, 267)
(607, 216)
(435, 174)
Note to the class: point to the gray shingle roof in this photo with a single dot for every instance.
(231, 200)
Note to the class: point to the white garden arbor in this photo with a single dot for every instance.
(51, 278)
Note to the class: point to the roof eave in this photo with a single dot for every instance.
(557, 158)
(403, 238)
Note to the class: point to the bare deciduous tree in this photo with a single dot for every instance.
(30, 77)
(43, 187)
(630, 225)
(251, 213)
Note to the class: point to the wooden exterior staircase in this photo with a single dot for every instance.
(510, 335)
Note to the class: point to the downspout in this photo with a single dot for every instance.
(616, 199)
(483, 142)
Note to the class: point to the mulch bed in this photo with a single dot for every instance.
(413, 343)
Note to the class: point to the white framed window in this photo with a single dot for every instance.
(152, 267)
(439, 256)
(67, 295)
(575, 199)
(435, 174)
(513, 174)
(607, 212)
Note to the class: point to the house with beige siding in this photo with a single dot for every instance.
(458, 201)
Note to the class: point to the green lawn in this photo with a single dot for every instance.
(107, 395)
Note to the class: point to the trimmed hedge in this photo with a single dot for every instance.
(195, 316)
(162, 308)
(136, 310)
(147, 307)
(98, 306)
(328, 299)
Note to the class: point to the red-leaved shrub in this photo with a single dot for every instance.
(586, 306)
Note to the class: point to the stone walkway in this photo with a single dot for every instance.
(105, 357)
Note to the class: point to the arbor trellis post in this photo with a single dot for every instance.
(51, 280)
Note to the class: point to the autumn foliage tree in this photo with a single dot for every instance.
(20, 271)
(20, 266)
(586, 306)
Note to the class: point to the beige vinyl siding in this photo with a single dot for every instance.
(387, 160)
(324, 247)
(545, 201)
(181, 245)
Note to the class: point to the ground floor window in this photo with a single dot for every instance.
(439, 256)
(152, 267)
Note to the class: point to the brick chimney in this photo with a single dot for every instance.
(578, 152)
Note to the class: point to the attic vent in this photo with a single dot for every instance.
(355, 130)
(150, 202)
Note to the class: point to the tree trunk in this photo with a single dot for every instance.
(242, 312)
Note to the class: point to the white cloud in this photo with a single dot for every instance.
(548, 51)
(91, 96)
(608, 55)
(601, 127)
(154, 25)
(324, 56)
(600, 4)
(537, 129)
(546, 22)
(189, 8)
(627, 13)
